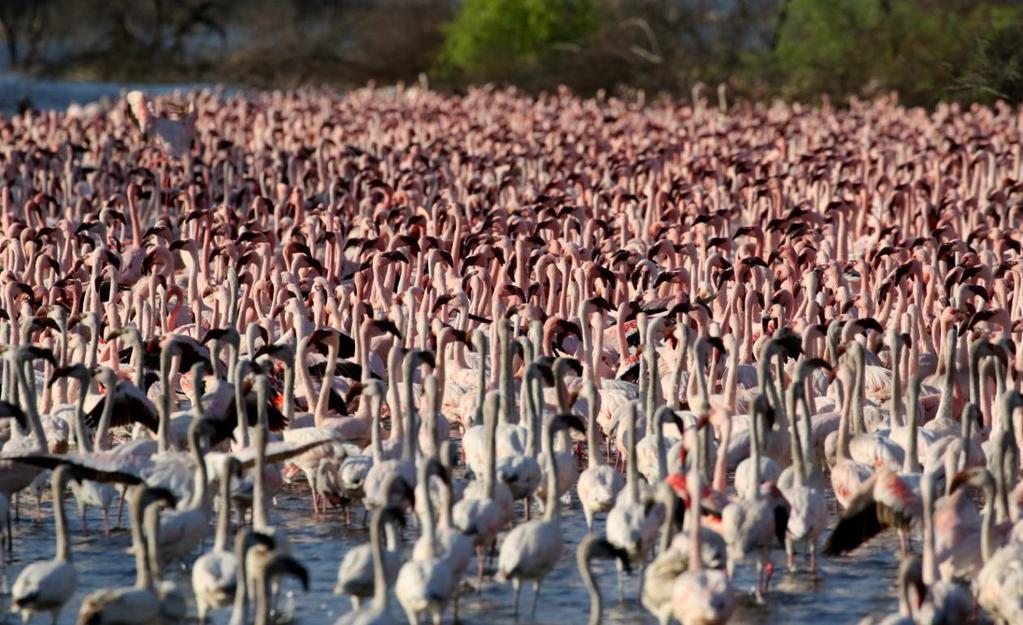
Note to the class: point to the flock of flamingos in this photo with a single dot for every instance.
(755, 337)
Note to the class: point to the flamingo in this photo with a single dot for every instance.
(426, 583)
(531, 549)
(45, 586)
(631, 523)
(749, 525)
(599, 484)
(175, 135)
(590, 548)
(131, 605)
(701, 596)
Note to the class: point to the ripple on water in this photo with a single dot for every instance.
(843, 591)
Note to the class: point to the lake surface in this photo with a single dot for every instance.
(57, 95)
(843, 590)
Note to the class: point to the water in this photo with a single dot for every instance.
(843, 590)
(59, 94)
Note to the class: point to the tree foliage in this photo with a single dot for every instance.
(927, 50)
(506, 39)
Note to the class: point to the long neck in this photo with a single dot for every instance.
(380, 594)
(895, 414)
(652, 390)
(289, 391)
(151, 528)
(662, 453)
(224, 514)
(778, 395)
(163, 431)
(408, 443)
(103, 427)
(551, 508)
(80, 427)
(701, 382)
(721, 462)
(93, 346)
(668, 525)
(199, 491)
(681, 357)
(428, 521)
(447, 502)
(481, 390)
(490, 468)
(987, 533)
(376, 402)
(301, 348)
(507, 378)
(30, 404)
(695, 487)
(324, 399)
(911, 463)
(754, 449)
(945, 405)
(631, 470)
(232, 359)
(929, 563)
(138, 541)
(240, 608)
(1000, 495)
(264, 587)
(795, 441)
(843, 423)
(731, 382)
(533, 401)
(136, 360)
(592, 436)
(260, 513)
(596, 607)
(809, 455)
(215, 349)
(394, 393)
(63, 552)
(857, 390)
(241, 411)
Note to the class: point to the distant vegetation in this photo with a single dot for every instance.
(927, 50)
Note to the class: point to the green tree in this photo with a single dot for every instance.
(919, 47)
(506, 40)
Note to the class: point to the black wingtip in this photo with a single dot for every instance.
(853, 530)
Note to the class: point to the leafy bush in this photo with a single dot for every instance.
(921, 48)
(506, 40)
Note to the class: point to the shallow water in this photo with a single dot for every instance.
(843, 591)
(44, 94)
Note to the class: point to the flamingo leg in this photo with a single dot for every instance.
(517, 585)
(759, 594)
(120, 508)
(536, 595)
(621, 581)
(479, 567)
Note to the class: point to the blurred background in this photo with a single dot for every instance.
(927, 50)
